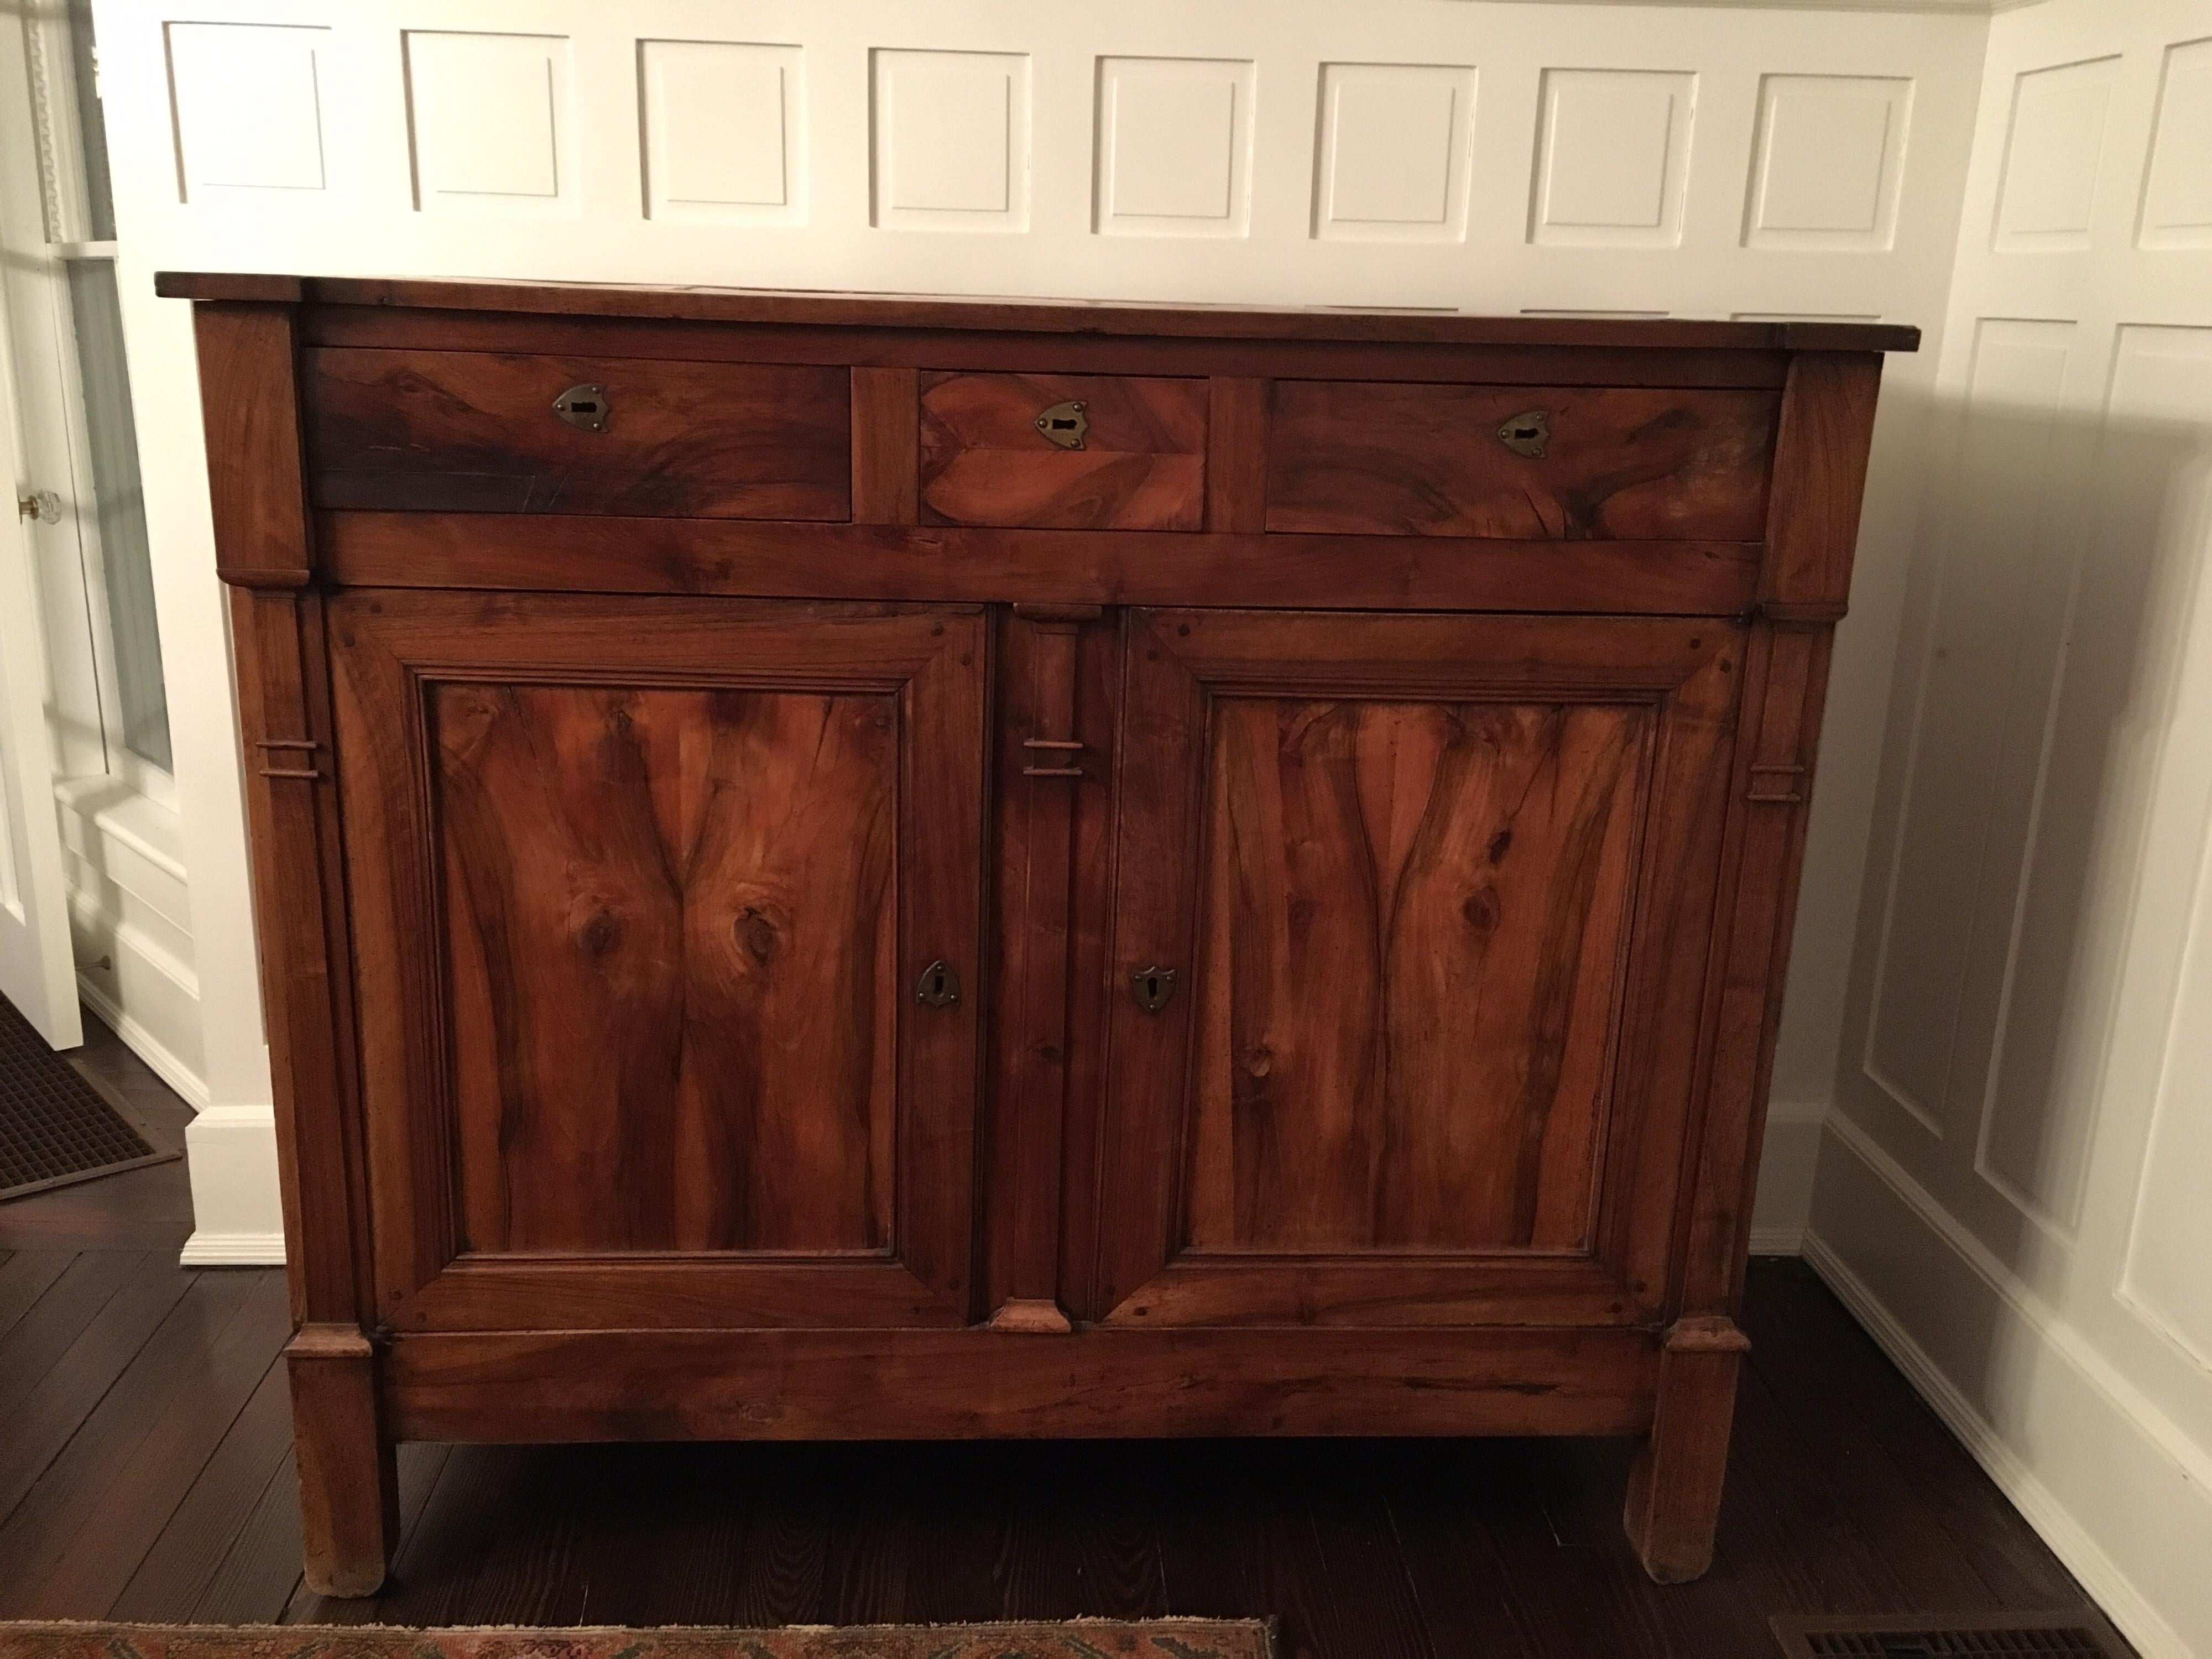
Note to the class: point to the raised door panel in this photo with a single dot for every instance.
(642, 891)
(669, 917)
(1435, 892)
(1408, 943)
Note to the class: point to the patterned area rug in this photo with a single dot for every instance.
(1083, 1638)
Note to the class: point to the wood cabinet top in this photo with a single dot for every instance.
(729, 305)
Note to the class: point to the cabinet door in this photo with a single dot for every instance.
(643, 891)
(1435, 892)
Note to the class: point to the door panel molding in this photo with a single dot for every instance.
(1675, 684)
(674, 677)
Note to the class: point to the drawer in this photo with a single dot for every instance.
(1534, 461)
(1130, 455)
(478, 432)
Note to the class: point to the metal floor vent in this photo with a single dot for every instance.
(54, 1128)
(1933, 1636)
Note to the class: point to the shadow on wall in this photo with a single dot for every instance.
(2048, 624)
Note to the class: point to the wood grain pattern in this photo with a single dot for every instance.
(1237, 455)
(833, 1385)
(475, 432)
(249, 403)
(1378, 1064)
(1142, 466)
(1675, 1485)
(1061, 566)
(349, 1486)
(1378, 804)
(1043, 766)
(647, 888)
(1427, 460)
(279, 655)
(1065, 317)
(1481, 918)
(1821, 452)
(886, 412)
(1773, 790)
(384, 328)
(674, 974)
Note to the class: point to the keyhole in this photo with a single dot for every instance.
(1526, 434)
(1152, 987)
(939, 987)
(583, 406)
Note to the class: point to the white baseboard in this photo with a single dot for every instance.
(207, 1249)
(237, 1218)
(190, 1087)
(2093, 1468)
(1786, 1167)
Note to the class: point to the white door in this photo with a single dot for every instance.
(81, 689)
(36, 971)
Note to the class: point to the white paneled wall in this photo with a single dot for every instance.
(1449, 154)
(2017, 1193)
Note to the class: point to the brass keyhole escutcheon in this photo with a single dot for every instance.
(938, 986)
(1526, 435)
(584, 407)
(1152, 987)
(1065, 425)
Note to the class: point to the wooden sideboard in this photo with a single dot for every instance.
(867, 868)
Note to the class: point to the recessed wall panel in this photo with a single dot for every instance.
(2053, 150)
(2177, 209)
(2143, 549)
(488, 119)
(1982, 685)
(1828, 161)
(1613, 157)
(724, 128)
(272, 140)
(1393, 151)
(2170, 1238)
(1174, 146)
(951, 147)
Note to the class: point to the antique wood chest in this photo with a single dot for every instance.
(863, 868)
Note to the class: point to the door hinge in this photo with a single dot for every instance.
(40, 504)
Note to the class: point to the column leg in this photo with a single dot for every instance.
(1674, 1489)
(348, 1484)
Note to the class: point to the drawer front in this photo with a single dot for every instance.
(1534, 461)
(478, 432)
(1132, 454)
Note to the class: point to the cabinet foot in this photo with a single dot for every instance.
(349, 1486)
(1674, 1488)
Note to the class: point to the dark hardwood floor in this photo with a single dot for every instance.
(146, 1473)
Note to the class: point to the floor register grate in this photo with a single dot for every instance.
(1935, 1636)
(54, 1127)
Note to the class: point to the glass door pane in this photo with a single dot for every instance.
(139, 701)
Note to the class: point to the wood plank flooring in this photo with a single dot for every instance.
(146, 1473)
